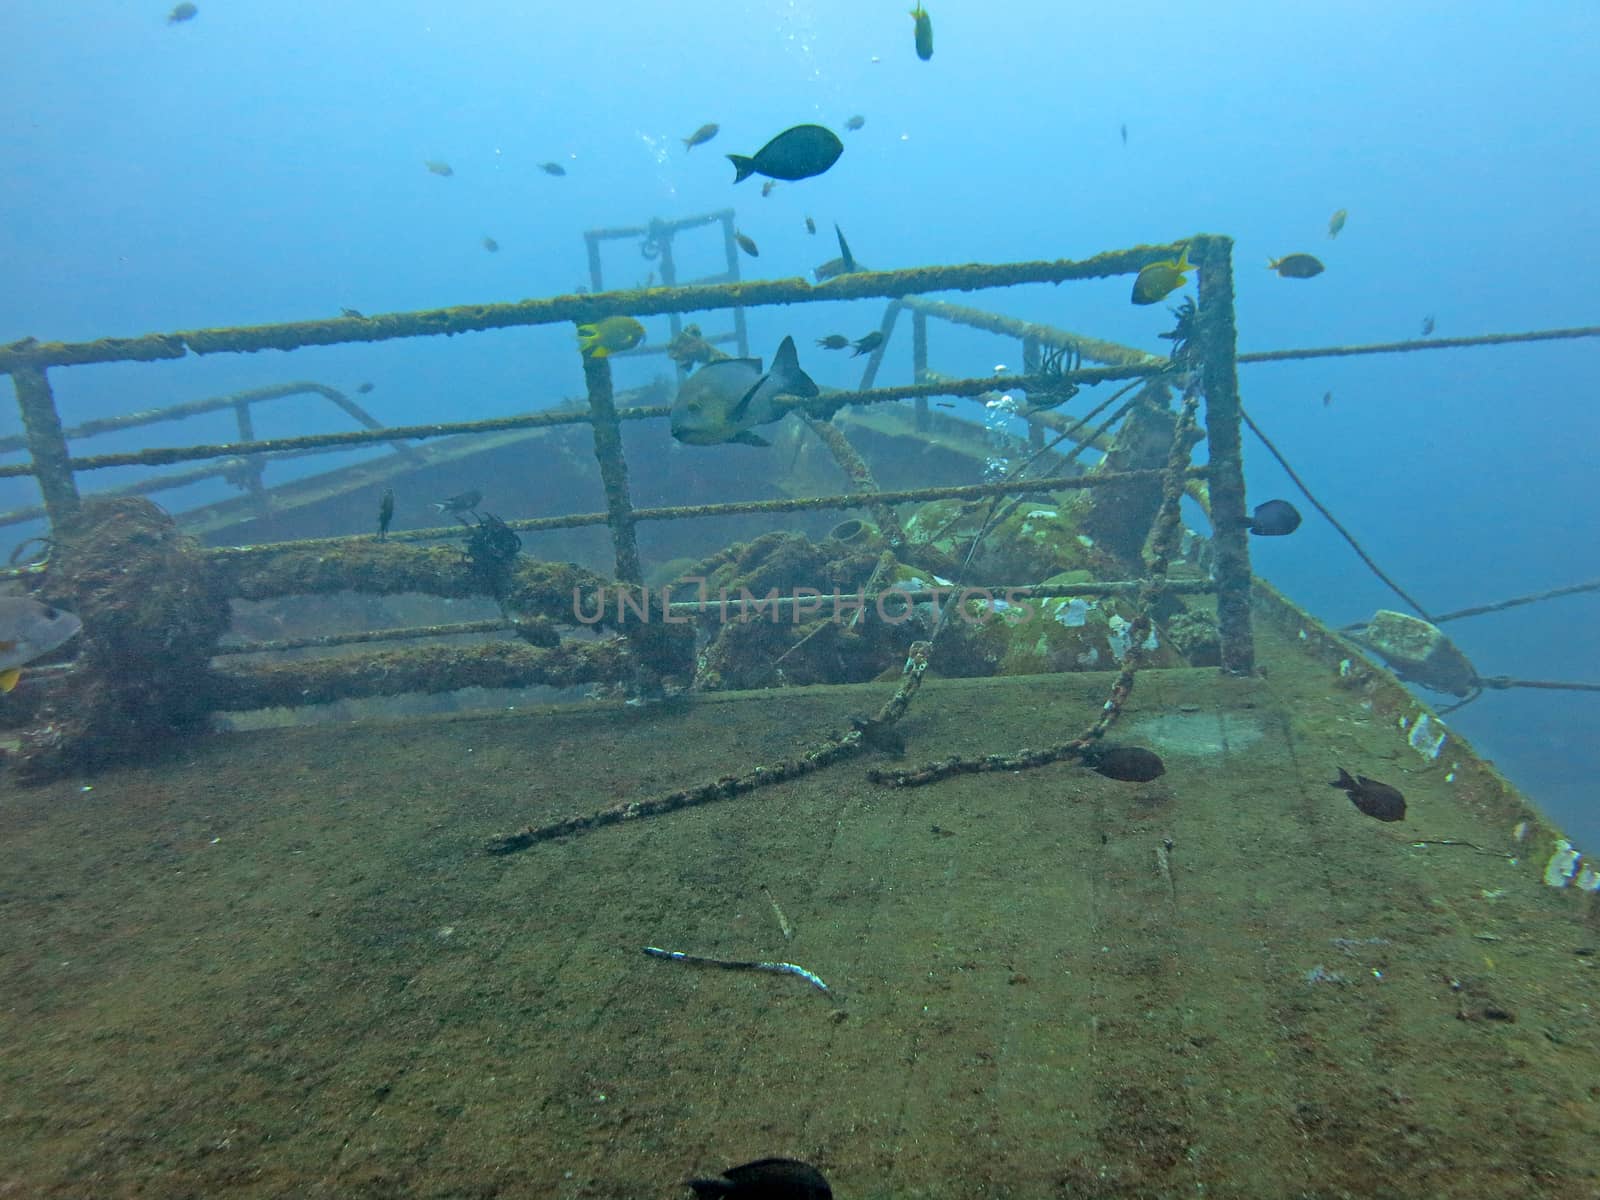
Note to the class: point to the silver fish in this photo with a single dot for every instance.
(30, 629)
(724, 400)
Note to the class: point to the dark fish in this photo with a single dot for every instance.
(701, 136)
(489, 244)
(868, 344)
(855, 122)
(797, 153)
(723, 401)
(465, 502)
(1296, 266)
(845, 264)
(1327, 399)
(747, 244)
(1274, 519)
(765, 1179)
(385, 513)
(364, 389)
(811, 226)
(1124, 134)
(834, 341)
(924, 32)
(355, 314)
(766, 188)
(183, 12)
(1127, 764)
(552, 168)
(438, 168)
(1377, 800)
(1427, 325)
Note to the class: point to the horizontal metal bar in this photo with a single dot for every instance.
(1093, 349)
(1432, 343)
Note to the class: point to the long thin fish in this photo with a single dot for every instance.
(777, 968)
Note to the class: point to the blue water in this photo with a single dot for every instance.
(264, 163)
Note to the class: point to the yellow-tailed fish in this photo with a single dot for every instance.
(924, 32)
(1160, 279)
(607, 337)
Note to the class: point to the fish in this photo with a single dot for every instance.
(702, 135)
(1427, 325)
(30, 629)
(1124, 133)
(1160, 279)
(181, 13)
(1126, 764)
(1296, 266)
(489, 244)
(1327, 399)
(1377, 800)
(811, 226)
(834, 341)
(354, 314)
(724, 400)
(606, 337)
(867, 344)
(552, 168)
(364, 389)
(855, 122)
(747, 244)
(1275, 518)
(766, 188)
(1336, 223)
(386, 513)
(797, 153)
(923, 31)
(765, 1179)
(466, 501)
(845, 264)
(438, 168)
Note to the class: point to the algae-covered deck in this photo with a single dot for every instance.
(282, 963)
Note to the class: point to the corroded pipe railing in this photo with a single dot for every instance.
(47, 445)
(1093, 349)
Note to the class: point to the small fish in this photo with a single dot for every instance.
(1275, 518)
(489, 244)
(30, 629)
(1160, 279)
(1427, 325)
(855, 122)
(364, 389)
(1126, 764)
(1336, 223)
(701, 136)
(1124, 133)
(834, 341)
(1296, 266)
(811, 226)
(181, 13)
(724, 400)
(386, 513)
(1327, 399)
(606, 337)
(747, 244)
(467, 501)
(765, 1179)
(924, 32)
(438, 168)
(867, 344)
(1377, 800)
(354, 314)
(552, 168)
(797, 153)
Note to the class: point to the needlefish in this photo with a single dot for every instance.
(728, 964)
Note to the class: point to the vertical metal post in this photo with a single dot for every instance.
(1030, 366)
(919, 362)
(1217, 347)
(613, 467)
(592, 245)
(47, 444)
(741, 332)
(253, 465)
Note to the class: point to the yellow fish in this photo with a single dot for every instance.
(1161, 279)
(604, 338)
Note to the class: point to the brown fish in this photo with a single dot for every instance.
(811, 226)
(1128, 764)
(701, 136)
(834, 341)
(766, 188)
(867, 344)
(747, 244)
(1296, 266)
(1377, 800)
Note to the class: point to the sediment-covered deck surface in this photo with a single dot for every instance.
(281, 964)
